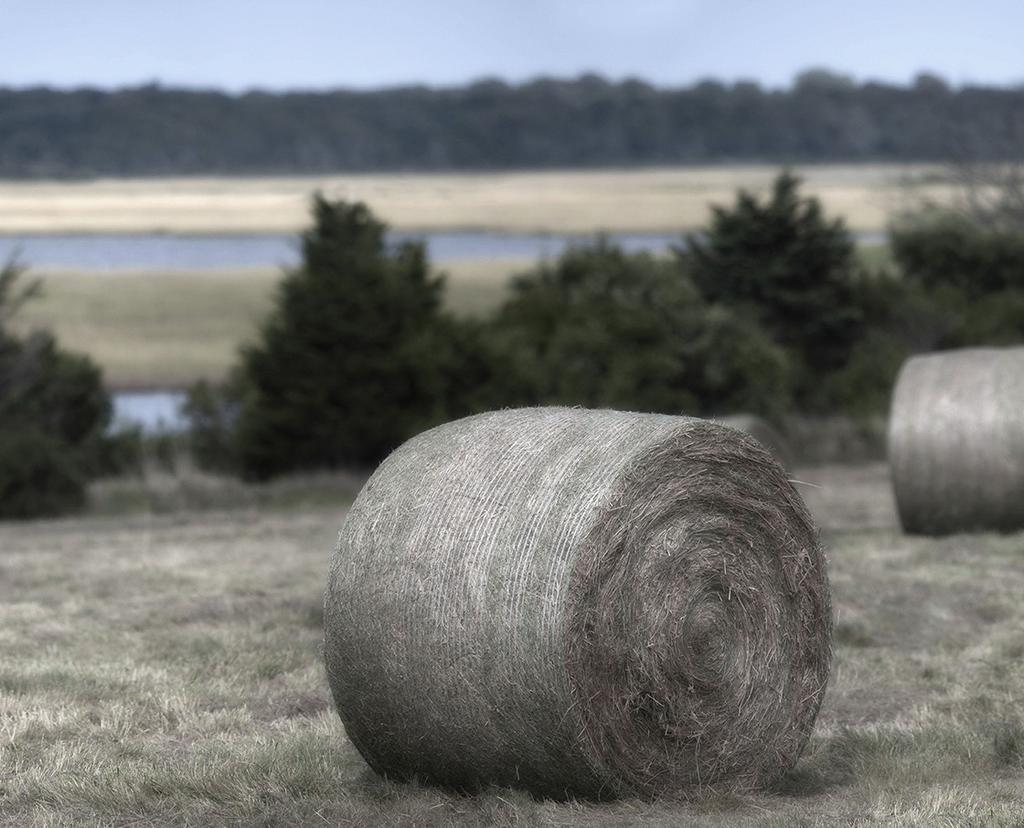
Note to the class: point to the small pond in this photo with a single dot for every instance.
(153, 411)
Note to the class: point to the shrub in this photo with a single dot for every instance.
(973, 273)
(901, 319)
(37, 476)
(60, 392)
(600, 327)
(212, 413)
(996, 319)
(54, 417)
(120, 452)
(939, 249)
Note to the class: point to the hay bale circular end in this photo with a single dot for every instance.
(956, 441)
(584, 603)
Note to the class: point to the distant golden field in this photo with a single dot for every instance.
(653, 200)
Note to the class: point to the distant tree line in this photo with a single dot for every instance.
(489, 124)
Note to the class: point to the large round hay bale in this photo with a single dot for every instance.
(588, 603)
(956, 441)
(762, 431)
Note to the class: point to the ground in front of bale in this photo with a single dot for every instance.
(167, 670)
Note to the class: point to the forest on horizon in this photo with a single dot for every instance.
(584, 122)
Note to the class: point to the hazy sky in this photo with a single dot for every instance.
(239, 44)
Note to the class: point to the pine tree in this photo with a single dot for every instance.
(355, 356)
(791, 269)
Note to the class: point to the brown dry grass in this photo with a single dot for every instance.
(653, 199)
(166, 670)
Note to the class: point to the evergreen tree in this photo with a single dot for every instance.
(355, 357)
(782, 263)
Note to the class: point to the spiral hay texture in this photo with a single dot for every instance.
(581, 603)
(956, 441)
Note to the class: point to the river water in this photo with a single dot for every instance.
(174, 252)
(153, 411)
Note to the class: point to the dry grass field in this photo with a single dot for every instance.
(653, 199)
(163, 329)
(166, 669)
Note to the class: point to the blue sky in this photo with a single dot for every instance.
(241, 44)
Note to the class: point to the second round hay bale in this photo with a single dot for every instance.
(956, 441)
(762, 431)
(588, 603)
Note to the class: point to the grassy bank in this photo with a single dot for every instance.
(167, 670)
(651, 199)
(154, 329)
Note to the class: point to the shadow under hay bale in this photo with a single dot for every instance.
(956, 441)
(762, 431)
(587, 603)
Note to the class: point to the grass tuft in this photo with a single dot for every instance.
(1008, 744)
